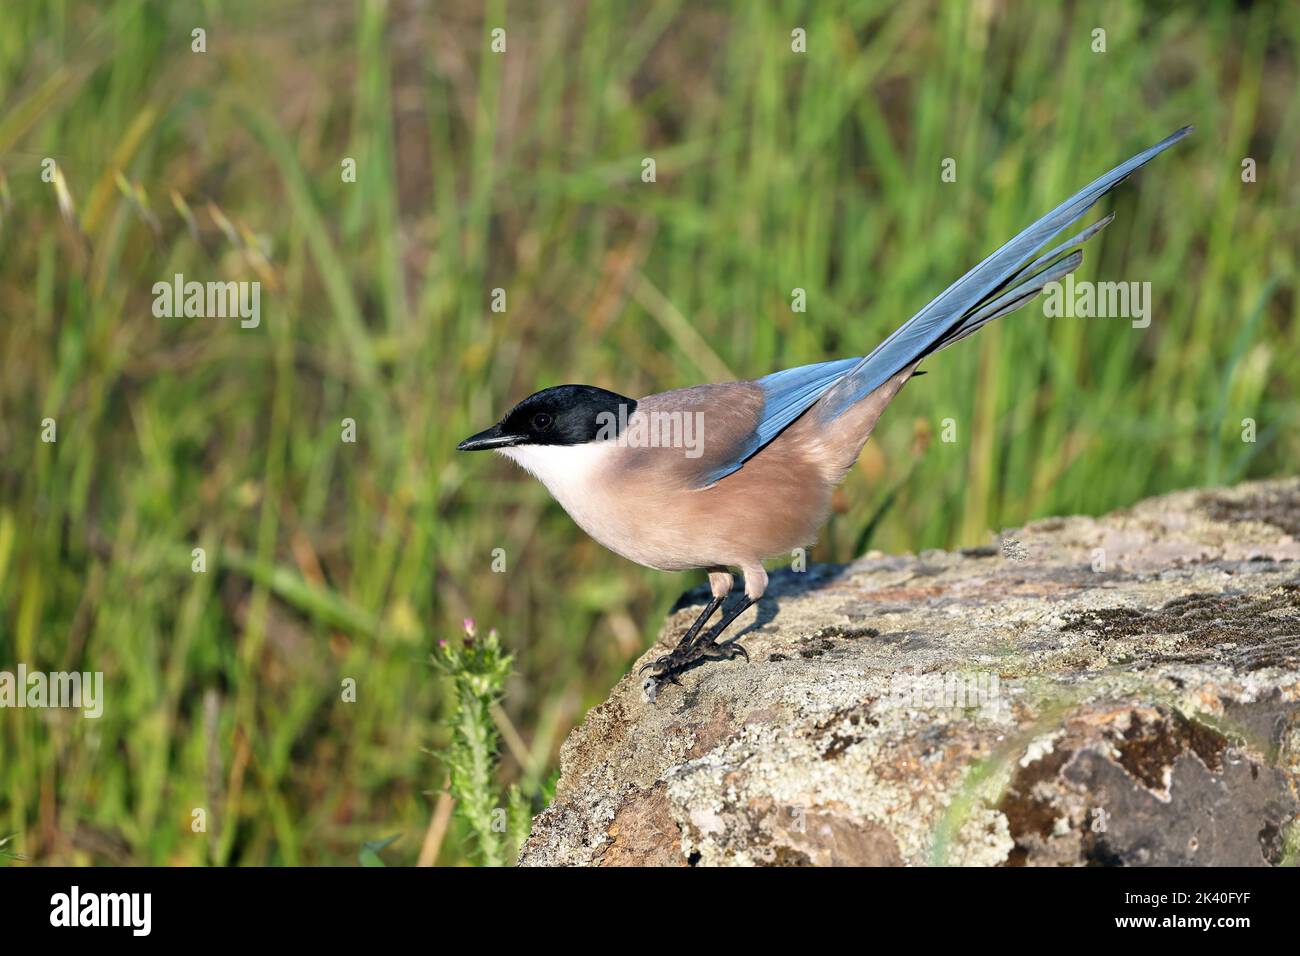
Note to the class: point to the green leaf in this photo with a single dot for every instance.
(369, 855)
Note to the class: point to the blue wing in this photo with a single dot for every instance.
(786, 395)
(1002, 283)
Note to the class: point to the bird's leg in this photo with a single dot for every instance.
(691, 635)
(704, 648)
(713, 649)
(698, 648)
(720, 582)
(741, 606)
(707, 647)
(689, 638)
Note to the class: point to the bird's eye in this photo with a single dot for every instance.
(542, 421)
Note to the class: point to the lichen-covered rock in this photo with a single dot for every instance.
(1118, 690)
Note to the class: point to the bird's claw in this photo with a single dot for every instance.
(657, 662)
(730, 650)
(670, 665)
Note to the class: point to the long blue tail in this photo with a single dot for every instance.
(1002, 283)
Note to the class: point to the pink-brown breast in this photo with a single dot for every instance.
(772, 505)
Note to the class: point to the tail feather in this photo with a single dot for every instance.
(1009, 301)
(1078, 239)
(952, 315)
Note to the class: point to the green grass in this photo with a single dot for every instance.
(329, 560)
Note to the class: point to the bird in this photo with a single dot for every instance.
(727, 475)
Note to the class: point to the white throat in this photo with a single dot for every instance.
(579, 477)
(566, 470)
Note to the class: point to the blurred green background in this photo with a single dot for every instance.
(522, 171)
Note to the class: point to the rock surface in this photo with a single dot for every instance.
(1116, 690)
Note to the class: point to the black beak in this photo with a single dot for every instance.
(489, 438)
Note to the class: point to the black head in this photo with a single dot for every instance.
(562, 415)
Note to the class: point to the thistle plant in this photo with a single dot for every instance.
(499, 820)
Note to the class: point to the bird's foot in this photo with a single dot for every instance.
(685, 656)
